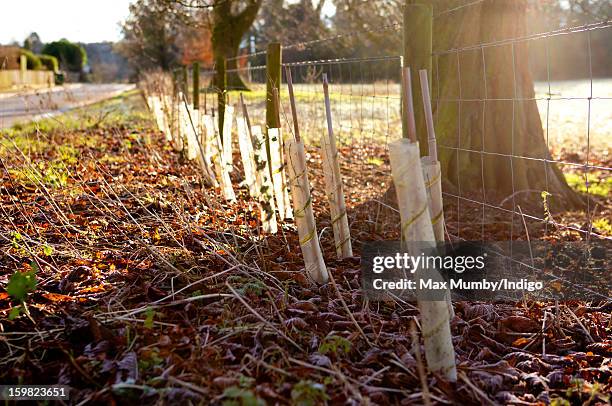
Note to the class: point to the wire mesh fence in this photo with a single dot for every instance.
(365, 96)
(366, 116)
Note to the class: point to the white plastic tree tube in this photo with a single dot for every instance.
(288, 209)
(432, 173)
(416, 226)
(246, 152)
(184, 126)
(275, 137)
(207, 171)
(190, 120)
(163, 118)
(304, 217)
(333, 183)
(177, 125)
(154, 106)
(209, 143)
(335, 196)
(227, 137)
(222, 170)
(167, 110)
(264, 182)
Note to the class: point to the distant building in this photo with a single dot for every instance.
(9, 57)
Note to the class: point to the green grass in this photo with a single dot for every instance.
(258, 94)
(599, 185)
(124, 109)
(603, 225)
(83, 128)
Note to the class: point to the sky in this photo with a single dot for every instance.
(75, 20)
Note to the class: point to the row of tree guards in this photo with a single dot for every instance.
(274, 165)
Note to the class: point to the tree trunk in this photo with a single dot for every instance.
(228, 30)
(227, 47)
(484, 100)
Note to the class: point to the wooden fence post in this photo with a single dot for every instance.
(174, 82)
(195, 72)
(418, 22)
(185, 84)
(221, 82)
(23, 67)
(273, 73)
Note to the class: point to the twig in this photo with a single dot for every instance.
(346, 308)
(579, 323)
(261, 318)
(476, 389)
(416, 347)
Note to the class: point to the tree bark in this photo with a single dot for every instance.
(486, 101)
(227, 32)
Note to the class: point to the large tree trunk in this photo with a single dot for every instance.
(226, 43)
(228, 30)
(485, 101)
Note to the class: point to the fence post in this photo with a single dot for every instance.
(273, 73)
(196, 85)
(174, 82)
(418, 22)
(23, 67)
(273, 81)
(185, 84)
(221, 82)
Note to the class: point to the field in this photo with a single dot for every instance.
(137, 284)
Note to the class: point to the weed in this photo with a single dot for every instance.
(603, 225)
(334, 344)
(19, 286)
(242, 394)
(308, 393)
(149, 315)
(598, 185)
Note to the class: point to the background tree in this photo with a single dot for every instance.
(295, 22)
(231, 20)
(32, 61)
(49, 62)
(72, 57)
(356, 16)
(33, 43)
(195, 40)
(547, 15)
(151, 34)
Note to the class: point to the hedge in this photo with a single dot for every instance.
(50, 62)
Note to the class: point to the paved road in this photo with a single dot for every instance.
(33, 105)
